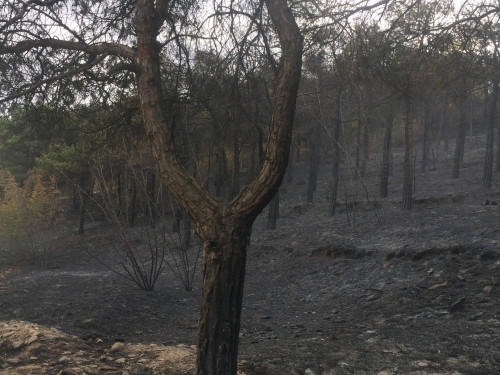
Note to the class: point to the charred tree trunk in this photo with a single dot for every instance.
(408, 162)
(386, 156)
(313, 163)
(132, 202)
(221, 174)
(274, 211)
(291, 167)
(222, 295)
(358, 147)
(85, 191)
(426, 135)
(222, 227)
(151, 204)
(235, 187)
(488, 160)
(366, 135)
(334, 187)
(460, 141)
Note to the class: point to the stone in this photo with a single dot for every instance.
(32, 339)
(17, 344)
(12, 361)
(117, 347)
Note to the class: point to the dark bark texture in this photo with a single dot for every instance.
(222, 227)
(488, 160)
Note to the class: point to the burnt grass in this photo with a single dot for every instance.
(373, 290)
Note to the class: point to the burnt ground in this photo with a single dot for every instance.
(373, 290)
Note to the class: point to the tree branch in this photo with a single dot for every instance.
(108, 49)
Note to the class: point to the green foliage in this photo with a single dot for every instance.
(29, 215)
(61, 159)
(27, 132)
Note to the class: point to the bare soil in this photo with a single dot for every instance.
(373, 290)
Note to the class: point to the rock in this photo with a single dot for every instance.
(309, 372)
(13, 361)
(403, 349)
(117, 347)
(64, 358)
(458, 305)
(31, 339)
(120, 360)
(17, 344)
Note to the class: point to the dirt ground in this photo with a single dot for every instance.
(373, 290)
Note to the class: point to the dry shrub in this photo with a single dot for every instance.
(30, 215)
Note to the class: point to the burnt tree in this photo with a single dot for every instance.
(222, 227)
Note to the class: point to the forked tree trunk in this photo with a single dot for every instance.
(488, 160)
(222, 227)
(408, 162)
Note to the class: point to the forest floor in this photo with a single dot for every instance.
(373, 290)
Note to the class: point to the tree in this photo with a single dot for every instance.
(105, 52)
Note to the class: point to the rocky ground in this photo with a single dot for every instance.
(373, 290)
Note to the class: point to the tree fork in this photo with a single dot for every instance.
(222, 227)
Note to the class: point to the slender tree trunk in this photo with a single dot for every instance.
(132, 202)
(366, 135)
(291, 167)
(261, 145)
(151, 204)
(236, 164)
(426, 135)
(358, 147)
(333, 191)
(408, 162)
(313, 163)
(446, 130)
(274, 211)
(442, 132)
(460, 141)
(488, 160)
(386, 156)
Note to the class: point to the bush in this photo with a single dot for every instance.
(29, 216)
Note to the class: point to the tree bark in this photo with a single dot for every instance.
(222, 227)
(332, 195)
(488, 160)
(366, 134)
(408, 162)
(224, 258)
(274, 211)
(313, 162)
(235, 186)
(426, 135)
(358, 147)
(460, 141)
(132, 201)
(386, 156)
